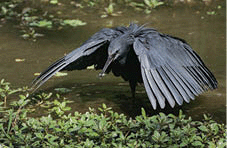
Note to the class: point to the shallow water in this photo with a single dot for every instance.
(205, 33)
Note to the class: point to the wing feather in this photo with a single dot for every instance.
(176, 72)
(149, 90)
(182, 78)
(158, 94)
(172, 89)
(176, 86)
(179, 84)
(79, 58)
(163, 87)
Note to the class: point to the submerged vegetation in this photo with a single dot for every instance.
(146, 5)
(58, 127)
(33, 16)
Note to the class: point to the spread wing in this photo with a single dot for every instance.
(93, 51)
(170, 69)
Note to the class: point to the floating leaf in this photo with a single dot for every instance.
(38, 35)
(54, 2)
(211, 13)
(25, 36)
(37, 74)
(74, 23)
(63, 90)
(61, 74)
(43, 23)
(19, 60)
(30, 18)
(91, 67)
(104, 16)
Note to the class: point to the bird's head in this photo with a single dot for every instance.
(118, 50)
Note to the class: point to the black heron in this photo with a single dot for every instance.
(166, 65)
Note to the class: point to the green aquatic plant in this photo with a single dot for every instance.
(73, 22)
(31, 18)
(7, 9)
(54, 2)
(42, 23)
(109, 10)
(146, 5)
(6, 90)
(153, 3)
(211, 12)
(30, 34)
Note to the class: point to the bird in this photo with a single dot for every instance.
(169, 69)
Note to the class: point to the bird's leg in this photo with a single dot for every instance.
(132, 84)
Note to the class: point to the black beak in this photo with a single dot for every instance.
(108, 62)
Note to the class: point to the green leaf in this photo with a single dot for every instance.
(74, 23)
(147, 2)
(143, 113)
(183, 144)
(104, 106)
(156, 136)
(63, 90)
(10, 120)
(110, 9)
(211, 144)
(203, 128)
(61, 74)
(43, 23)
(211, 13)
(197, 143)
(30, 18)
(39, 135)
(91, 67)
(53, 2)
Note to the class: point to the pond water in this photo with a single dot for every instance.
(205, 33)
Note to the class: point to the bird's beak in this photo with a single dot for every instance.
(109, 60)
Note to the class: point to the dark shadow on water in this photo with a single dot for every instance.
(132, 106)
(119, 98)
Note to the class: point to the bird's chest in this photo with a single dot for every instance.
(129, 70)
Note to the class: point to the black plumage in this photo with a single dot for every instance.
(167, 66)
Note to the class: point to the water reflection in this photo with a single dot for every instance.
(206, 34)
